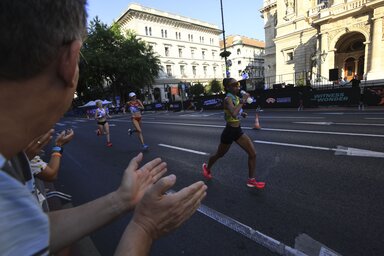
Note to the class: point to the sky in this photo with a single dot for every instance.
(241, 17)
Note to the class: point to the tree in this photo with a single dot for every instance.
(115, 63)
(196, 89)
(215, 87)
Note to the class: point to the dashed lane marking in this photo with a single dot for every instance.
(184, 149)
(339, 150)
(332, 123)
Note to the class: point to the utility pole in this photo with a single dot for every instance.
(225, 53)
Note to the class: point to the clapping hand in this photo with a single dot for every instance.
(137, 180)
(159, 213)
(34, 148)
(64, 137)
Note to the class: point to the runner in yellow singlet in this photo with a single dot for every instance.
(233, 133)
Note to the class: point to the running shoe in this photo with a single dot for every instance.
(130, 132)
(109, 144)
(145, 146)
(252, 183)
(206, 172)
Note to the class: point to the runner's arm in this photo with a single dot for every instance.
(232, 109)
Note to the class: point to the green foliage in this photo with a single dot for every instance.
(115, 63)
(215, 87)
(196, 89)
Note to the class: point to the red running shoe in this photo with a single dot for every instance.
(109, 144)
(252, 183)
(206, 172)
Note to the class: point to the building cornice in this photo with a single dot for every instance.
(139, 12)
(268, 5)
(334, 13)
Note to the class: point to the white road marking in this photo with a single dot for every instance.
(374, 118)
(254, 235)
(275, 130)
(291, 117)
(322, 132)
(339, 150)
(331, 113)
(332, 123)
(201, 115)
(319, 123)
(184, 149)
(185, 124)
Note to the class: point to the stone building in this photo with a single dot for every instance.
(247, 57)
(188, 48)
(314, 41)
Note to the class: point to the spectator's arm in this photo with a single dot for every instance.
(70, 225)
(51, 171)
(158, 214)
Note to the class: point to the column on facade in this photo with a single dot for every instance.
(330, 63)
(376, 61)
(366, 58)
(356, 66)
(327, 61)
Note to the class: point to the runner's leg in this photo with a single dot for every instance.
(106, 126)
(245, 143)
(222, 149)
(136, 124)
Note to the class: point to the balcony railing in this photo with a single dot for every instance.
(316, 10)
(323, 10)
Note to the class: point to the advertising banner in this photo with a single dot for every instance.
(339, 97)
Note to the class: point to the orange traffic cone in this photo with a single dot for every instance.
(257, 124)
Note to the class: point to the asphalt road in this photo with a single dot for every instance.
(324, 171)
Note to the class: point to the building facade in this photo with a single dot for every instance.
(188, 49)
(246, 59)
(309, 41)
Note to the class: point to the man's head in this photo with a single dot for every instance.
(33, 31)
(39, 49)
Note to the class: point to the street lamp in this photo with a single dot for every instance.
(225, 53)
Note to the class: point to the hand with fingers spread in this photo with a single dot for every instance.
(64, 137)
(137, 180)
(34, 148)
(158, 214)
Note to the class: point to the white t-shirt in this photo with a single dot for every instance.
(24, 227)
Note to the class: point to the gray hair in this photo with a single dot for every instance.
(32, 32)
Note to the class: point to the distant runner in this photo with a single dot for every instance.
(101, 115)
(135, 107)
(233, 133)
